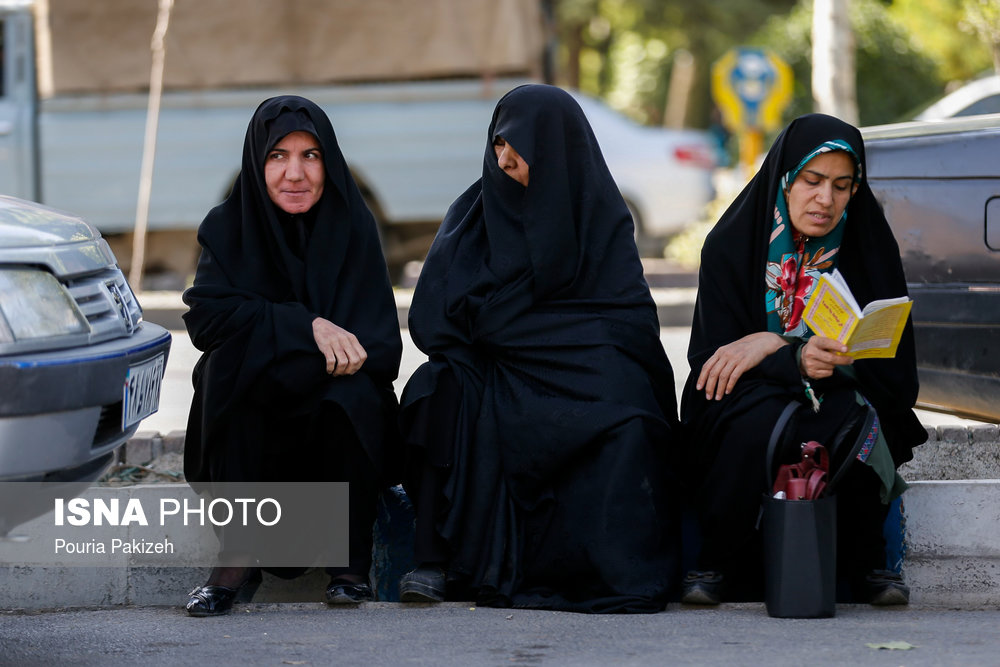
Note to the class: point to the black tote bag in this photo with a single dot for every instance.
(800, 536)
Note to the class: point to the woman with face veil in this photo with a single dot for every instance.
(293, 309)
(808, 211)
(538, 433)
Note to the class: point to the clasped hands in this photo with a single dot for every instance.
(724, 368)
(344, 354)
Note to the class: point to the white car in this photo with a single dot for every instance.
(665, 175)
(981, 96)
(79, 368)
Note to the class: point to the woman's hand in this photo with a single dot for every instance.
(344, 354)
(820, 355)
(719, 374)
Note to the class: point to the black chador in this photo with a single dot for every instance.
(265, 407)
(736, 293)
(540, 429)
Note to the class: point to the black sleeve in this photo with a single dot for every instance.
(781, 366)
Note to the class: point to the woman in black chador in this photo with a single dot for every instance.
(293, 309)
(808, 211)
(539, 430)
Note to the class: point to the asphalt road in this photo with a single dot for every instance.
(456, 634)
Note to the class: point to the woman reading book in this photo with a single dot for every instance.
(808, 211)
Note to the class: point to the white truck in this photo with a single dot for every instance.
(410, 88)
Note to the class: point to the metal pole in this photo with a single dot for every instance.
(149, 146)
(679, 90)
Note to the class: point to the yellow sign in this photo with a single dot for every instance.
(752, 87)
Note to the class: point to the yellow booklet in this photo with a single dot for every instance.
(873, 332)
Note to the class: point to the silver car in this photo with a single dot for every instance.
(978, 97)
(79, 368)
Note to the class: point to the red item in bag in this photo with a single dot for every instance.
(805, 480)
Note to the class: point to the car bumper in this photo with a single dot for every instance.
(667, 208)
(61, 411)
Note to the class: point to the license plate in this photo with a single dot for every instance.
(142, 391)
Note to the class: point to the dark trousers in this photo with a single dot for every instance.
(429, 437)
(322, 447)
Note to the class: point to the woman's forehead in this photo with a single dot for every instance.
(300, 136)
(834, 164)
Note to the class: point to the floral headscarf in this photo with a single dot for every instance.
(795, 261)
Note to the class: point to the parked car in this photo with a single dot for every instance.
(665, 175)
(981, 96)
(939, 184)
(79, 368)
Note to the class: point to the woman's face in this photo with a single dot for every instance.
(512, 164)
(294, 173)
(820, 193)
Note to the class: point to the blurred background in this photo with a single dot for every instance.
(132, 113)
(906, 52)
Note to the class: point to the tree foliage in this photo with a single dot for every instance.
(625, 49)
(907, 50)
(982, 19)
(893, 76)
(935, 29)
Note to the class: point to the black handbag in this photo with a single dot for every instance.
(800, 536)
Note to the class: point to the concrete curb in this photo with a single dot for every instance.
(122, 582)
(956, 453)
(952, 560)
(952, 543)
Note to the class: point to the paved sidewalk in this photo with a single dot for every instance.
(457, 634)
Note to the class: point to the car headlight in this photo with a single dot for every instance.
(33, 304)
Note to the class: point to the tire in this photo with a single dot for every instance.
(643, 243)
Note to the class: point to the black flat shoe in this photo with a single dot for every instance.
(884, 588)
(424, 584)
(702, 587)
(218, 600)
(343, 592)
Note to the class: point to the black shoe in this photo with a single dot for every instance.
(425, 584)
(702, 587)
(345, 592)
(884, 588)
(488, 596)
(218, 600)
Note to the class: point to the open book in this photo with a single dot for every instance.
(833, 312)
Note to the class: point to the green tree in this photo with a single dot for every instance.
(894, 76)
(934, 27)
(907, 50)
(623, 50)
(982, 18)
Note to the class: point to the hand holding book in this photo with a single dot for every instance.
(872, 332)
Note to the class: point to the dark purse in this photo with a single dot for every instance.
(800, 531)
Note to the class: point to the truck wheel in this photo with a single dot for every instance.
(387, 237)
(641, 241)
